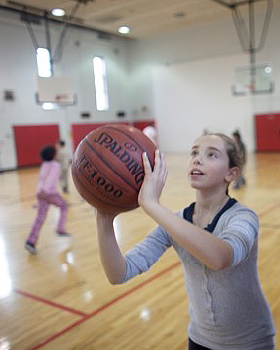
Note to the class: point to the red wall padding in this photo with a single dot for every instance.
(267, 132)
(30, 139)
(142, 124)
(79, 131)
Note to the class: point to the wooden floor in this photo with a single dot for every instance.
(60, 298)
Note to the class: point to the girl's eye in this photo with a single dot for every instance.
(193, 153)
(212, 155)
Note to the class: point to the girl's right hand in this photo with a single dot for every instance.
(154, 180)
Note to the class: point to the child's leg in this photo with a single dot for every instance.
(60, 202)
(43, 207)
(237, 183)
(64, 180)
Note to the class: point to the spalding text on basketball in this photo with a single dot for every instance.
(131, 164)
(91, 174)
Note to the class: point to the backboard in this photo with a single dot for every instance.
(253, 80)
(58, 90)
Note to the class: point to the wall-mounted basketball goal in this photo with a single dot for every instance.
(56, 90)
(255, 78)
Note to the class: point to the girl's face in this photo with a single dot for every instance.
(208, 166)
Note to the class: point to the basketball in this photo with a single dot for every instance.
(107, 167)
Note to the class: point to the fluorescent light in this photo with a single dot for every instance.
(268, 70)
(58, 12)
(124, 30)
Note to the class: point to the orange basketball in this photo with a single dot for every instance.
(107, 167)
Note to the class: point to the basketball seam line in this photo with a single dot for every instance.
(109, 166)
(131, 138)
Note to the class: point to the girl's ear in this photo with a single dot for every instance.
(233, 174)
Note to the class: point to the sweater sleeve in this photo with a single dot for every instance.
(241, 232)
(144, 254)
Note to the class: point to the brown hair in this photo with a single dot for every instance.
(234, 156)
(48, 153)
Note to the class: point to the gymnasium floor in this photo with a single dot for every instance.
(60, 298)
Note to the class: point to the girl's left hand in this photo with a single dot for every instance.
(154, 180)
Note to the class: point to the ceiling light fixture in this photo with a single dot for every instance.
(58, 12)
(124, 30)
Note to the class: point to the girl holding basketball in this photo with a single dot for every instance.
(216, 240)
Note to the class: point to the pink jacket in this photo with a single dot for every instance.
(49, 177)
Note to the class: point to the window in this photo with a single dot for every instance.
(45, 70)
(100, 79)
(44, 62)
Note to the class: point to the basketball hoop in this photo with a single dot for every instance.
(250, 87)
(61, 98)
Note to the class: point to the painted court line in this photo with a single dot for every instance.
(131, 290)
(105, 306)
(58, 334)
(49, 302)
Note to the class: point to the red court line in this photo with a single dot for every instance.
(56, 335)
(269, 210)
(105, 306)
(131, 290)
(49, 302)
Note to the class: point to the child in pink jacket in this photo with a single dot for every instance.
(47, 193)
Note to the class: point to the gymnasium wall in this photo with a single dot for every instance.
(187, 75)
(182, 79)
(18, 71)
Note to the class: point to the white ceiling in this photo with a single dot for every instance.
(144, 17)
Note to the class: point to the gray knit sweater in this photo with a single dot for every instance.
(227, 308)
